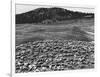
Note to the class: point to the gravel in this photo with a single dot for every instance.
(54, 55)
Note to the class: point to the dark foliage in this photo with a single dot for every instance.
(54, 14)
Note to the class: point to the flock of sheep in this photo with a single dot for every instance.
(54, 55)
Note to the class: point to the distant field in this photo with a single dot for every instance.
(81, 29)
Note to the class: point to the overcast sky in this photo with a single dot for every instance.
(22, 8)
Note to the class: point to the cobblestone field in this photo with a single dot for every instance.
(54, 55)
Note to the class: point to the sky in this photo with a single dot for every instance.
(22, 8)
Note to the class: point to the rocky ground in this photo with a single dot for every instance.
(54, 55)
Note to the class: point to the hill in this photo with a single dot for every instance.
(50, 15)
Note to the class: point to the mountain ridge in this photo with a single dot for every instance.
(49, 15)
